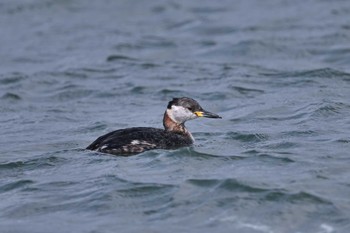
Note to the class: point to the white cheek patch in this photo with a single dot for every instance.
(180, 114)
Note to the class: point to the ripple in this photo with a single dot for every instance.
(184, 24)
(119, 58)
(140, 90)
(263, 193)
(172, 92)
(15, 185)
(217, 30)
(344, 140)
(149, 65)
(11, 96)
(12, 78)
(269, 156)
(211, 9)
(145, 198)
(31, 164)
(276, 114)
(300, 133)
(318, 73)
(74, 74)
(247, 91)
(303, 197)
(281, 145)
(331, 109)
(195, 153)
(98, 70)
(225, 184)
(17, 8)
(157, 43)
(247, 137)
(143, 189)
(11, 165)
(72, 94)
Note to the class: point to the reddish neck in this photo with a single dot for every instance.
(171, 125)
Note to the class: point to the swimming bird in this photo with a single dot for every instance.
(135, 140)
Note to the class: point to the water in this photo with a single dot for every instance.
(277, 71)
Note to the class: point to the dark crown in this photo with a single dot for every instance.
(185, 102)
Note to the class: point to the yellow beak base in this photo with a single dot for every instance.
(199, 113)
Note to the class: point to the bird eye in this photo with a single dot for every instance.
(189, 108)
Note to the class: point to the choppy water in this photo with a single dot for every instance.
(277, 71)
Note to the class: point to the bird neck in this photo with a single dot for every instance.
(171, 125)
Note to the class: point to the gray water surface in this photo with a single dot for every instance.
(276, 71)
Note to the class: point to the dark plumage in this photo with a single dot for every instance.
(135, 140)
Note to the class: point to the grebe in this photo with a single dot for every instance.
(139, 139)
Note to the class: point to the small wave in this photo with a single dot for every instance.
(317, 73)
(149, 65)
(73, 94)
(300, 133)
(264, 192)
(11, 97)
(215, 95)
(76, 73)
(20, 7)
(247, 91)
(193, 152)
(247, 137)
(282, 113)
(226, 184)
(11, 165)
(142, 189)
(216, 30)
(343, 140)
(119, 58)
(31, 164)
(157, 42)
(172, 92)
(330, 109)
(12, 78)
(269, 156)
(14, 185)
(98, 70)
(281, 145)
(301, 197)
(183, 25)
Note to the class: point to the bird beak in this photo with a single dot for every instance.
(206, 114)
